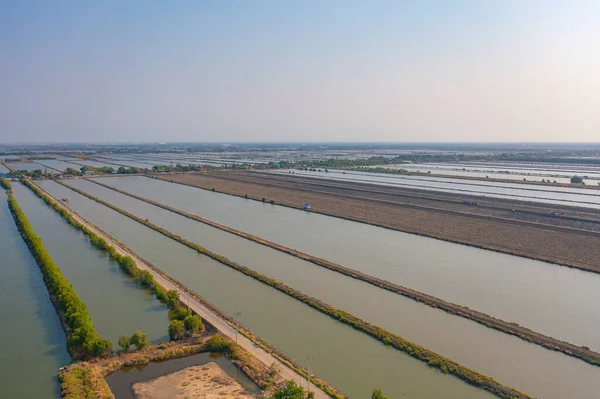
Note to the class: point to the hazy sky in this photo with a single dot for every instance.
(321, 70)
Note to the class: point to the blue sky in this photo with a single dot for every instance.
(502, 70)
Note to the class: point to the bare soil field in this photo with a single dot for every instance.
(569, 237)
(207, 381)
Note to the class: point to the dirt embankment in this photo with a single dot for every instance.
(207, 381)
(563, 245)
(482, 318)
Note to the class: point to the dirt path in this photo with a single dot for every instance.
(221, 325)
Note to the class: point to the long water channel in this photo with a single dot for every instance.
(115, 302)
(554, 300)
(508, 359)
(32, 342)
(348, 359)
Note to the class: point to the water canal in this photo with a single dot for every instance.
(506, 358)
(554, 300)
(115, 303)
(32, 342)
(349, 360)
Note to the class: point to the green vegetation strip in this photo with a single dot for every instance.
(128, 265)
(287, 361)
(78, 380)
(86, 380)
(82, 338)
(5, 184)
(526, 334)
(431, 358)
(10, 169)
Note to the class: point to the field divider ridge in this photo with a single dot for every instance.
(418, 352)
(219, 319)
(510, 328)
(470, 243)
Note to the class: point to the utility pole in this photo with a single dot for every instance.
(308, 360)
(237, 315)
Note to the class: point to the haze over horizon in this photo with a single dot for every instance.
(385, 71)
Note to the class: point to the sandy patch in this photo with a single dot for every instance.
(205, 381)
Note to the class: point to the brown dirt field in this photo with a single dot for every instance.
(436, 215)
(207, 381)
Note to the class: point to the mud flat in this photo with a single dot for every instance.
(207, 381)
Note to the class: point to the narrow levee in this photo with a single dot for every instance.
(348, 359)
(115, 303)
(550, 299)
(511, 361)
(32, 341)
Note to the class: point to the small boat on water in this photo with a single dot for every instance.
(65, 199)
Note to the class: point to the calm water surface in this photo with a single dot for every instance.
(32, 342)
(29, 166)
(553, 300)
(116, 304)
(508, 359)
(349, 360)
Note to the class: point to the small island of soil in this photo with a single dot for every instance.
(205, 381)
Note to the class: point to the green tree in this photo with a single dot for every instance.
(71, 171)
(139, 340)
(179, 313)
(146, 278)
(172, 298)
(377, 394)
(289, 391)
(193, 324)
(216, 343)
(176, 330)
(124, 342)
(100, 347)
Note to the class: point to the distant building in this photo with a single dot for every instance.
(89, 173)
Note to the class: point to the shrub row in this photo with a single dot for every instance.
(505, 327)
(290, 363)
(5, 184)
(126, 263)
(82, 338)
(431, 358)
(183, 323)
